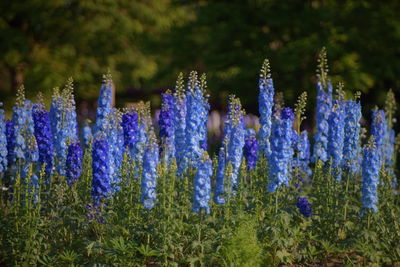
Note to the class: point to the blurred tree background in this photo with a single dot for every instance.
(146, 43)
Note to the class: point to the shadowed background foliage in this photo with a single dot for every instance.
(146, 43)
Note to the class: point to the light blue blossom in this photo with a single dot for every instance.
(324, 107)
(3, 142)
(302, 151)
(194, 120)
(180, 124)
(371, 166)
(266, 103)
(281, 143)
(235, 140)
(378, 130)
(336, 138)
(149, 175)
(351, 135)
(101, 188)
(115, 137)
(166, 127)
(202, 185)
(104, 104)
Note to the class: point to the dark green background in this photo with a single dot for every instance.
(147, 43)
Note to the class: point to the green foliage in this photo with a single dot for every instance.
(147, 43)
(83, 39)
(254, 227)
(240, 246)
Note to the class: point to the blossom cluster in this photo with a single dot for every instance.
(36, 139)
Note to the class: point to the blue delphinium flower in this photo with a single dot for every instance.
(302, 158)
(10, 135)
(31, 152)
(202, 185)
(236, 140)
(130, 127)
(378, 130)
(70, 123)
(203, 131)
(389, 154)
(250, 148)
(220, 177)
(43, 137)
(180, 124)
(304, 206)
(115, 137)
(166, 126)
(231, 149)
(281, 142)
(87, 134)
(63, 124)
(194, 119)
(57, 129)
(336, 138)
(324, 107)
(101, 187)
(25, 149)
(390, 144)
(371, 166)
(149, 175)
(3, 142)
(144, 125)
(266, 103)
(351, 135)
(104, 104)
(74, 162)
(19, 121)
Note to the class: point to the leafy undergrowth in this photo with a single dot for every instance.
(60, 227)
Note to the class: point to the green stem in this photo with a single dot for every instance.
(346, 197)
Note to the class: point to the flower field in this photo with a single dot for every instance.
(127, 190)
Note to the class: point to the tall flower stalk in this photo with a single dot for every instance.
(115, 137)
(25, 147)
(379, 131)
(129, 123)
(180, 124)
(390, 109)
(302, 158)
(250, 149)
(195, 113)
(3, 142)
(104, 103)
(166, 126)
(281, 143)
(149, 175)
(101, 182)
(351, 135)
(336, 138)
(371, 166)
(203, 131)
(63, 124)
(324, 107)
(11, 142)
(43, 137)
(144, 125)
(236, 134)
(19, 120)
(74, 162)
(266, 104)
